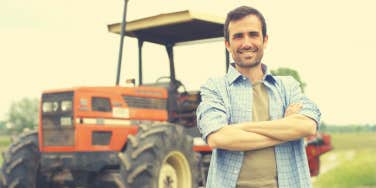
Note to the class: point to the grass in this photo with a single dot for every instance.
(4, 143)
(354, 153)
(360, 171)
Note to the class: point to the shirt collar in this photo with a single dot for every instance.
(233, 74)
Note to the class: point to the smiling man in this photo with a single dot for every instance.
(254, 121)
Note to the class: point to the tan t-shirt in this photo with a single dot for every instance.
(259, 166)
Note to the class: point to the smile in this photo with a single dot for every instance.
(247, 51)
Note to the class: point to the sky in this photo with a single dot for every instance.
(60, 44)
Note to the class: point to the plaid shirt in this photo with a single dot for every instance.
(228, 100)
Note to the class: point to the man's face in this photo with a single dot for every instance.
(246, 43)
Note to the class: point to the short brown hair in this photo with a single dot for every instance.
(240, 13)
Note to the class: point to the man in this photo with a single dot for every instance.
(254, 121)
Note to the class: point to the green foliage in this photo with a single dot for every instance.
(347, 128)
(283, 71)
(351, 141)
(23, 114)
(2, 126)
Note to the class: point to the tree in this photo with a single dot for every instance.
(283, 71)
(323, 126)
(23, 114)
(2, 126)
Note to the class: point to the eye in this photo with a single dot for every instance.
(237, 36)
(254, 34)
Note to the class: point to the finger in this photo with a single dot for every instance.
(295, 104)
(294, 107)
(291, 106)
(298, 106)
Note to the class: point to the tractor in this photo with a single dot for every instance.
(139, 136)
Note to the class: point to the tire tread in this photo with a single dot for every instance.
(141, 160)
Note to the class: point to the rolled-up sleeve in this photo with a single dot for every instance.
(211, 113)
(309, 108)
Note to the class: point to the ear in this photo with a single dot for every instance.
(266, 39)
(227, 44)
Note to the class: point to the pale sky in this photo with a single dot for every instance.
(59, 44)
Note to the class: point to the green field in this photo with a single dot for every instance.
(357, 141)
(4, 142)
(351, 164)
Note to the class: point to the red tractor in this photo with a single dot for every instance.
(142, 136)
(316, 146)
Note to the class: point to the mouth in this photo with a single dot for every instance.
(248, 54)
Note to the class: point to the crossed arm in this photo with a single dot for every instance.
(212, 121)
(256, 135)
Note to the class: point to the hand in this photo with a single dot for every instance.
(293, 109)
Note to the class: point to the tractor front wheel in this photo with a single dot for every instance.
(159, 156)
(21, 163)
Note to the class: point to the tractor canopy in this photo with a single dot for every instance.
(172, 28)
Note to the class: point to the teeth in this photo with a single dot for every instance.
(247, 52)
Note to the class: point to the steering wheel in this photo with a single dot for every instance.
(177, 82)
(162, 78)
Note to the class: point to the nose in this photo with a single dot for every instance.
(247, 42)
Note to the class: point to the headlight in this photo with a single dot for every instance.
(50, 106)
(47, 107)
(55, 106)
(66, 121)
(66, 106)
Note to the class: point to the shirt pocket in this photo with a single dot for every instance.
(240, 115)
(240, 100)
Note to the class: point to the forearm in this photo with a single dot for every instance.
(289, 128)
(233, 138)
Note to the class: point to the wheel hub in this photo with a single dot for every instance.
(175, 172)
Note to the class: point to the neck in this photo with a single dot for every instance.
(252, 73)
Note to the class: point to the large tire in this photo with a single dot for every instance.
(21, 163)
(159, 156)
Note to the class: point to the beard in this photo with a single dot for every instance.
(247, 65)
(244, 64)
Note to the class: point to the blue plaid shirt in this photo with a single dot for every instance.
(228, 100)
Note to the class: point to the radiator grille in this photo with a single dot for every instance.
(142, 102)
(58, 137)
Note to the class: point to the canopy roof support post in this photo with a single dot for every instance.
(170, 52)
(140, 43)
(122, 33)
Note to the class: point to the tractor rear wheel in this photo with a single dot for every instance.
(21, 163)
(159, 156)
